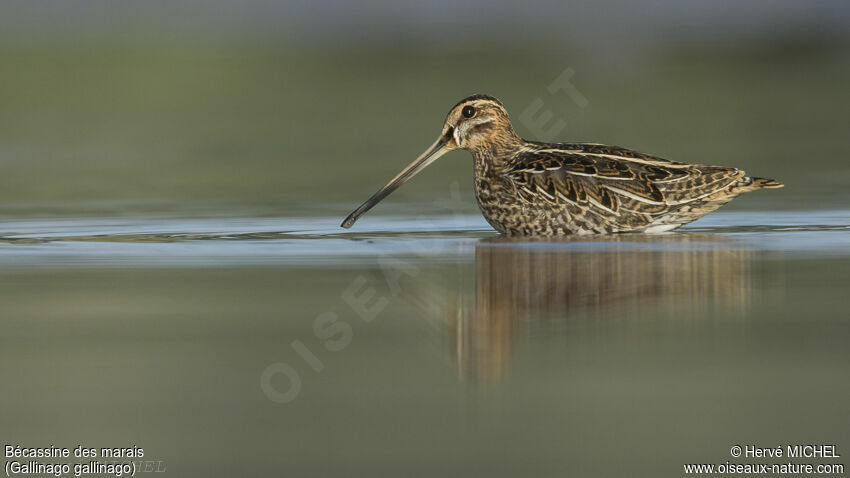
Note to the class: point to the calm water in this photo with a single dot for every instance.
(280, 345)
(239, 331)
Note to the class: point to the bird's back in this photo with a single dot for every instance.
(560, 188)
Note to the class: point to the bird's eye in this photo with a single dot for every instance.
(468, 112)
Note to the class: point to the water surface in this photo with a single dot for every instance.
(236, 345)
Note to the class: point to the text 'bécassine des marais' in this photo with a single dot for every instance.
(17, 451)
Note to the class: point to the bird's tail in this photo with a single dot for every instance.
(759, 183)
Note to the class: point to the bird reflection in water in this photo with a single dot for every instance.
(522, 282)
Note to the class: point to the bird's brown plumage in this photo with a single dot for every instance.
(623, 190)
(532, 188)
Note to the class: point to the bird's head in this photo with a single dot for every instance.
(479, 121)
(476, 122)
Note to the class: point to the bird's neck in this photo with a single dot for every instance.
(497, 152)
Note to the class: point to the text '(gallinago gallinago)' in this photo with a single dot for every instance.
(532, 188)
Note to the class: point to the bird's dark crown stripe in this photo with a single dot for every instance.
(478, 97)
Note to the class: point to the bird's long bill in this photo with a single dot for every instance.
(429, 156)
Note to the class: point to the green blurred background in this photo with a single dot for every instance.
(595, 358)
(280, 106)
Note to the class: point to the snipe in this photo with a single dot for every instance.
(531, 188)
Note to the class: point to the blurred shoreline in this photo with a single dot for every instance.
(178, 103)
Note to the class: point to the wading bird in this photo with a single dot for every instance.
(548, 189)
